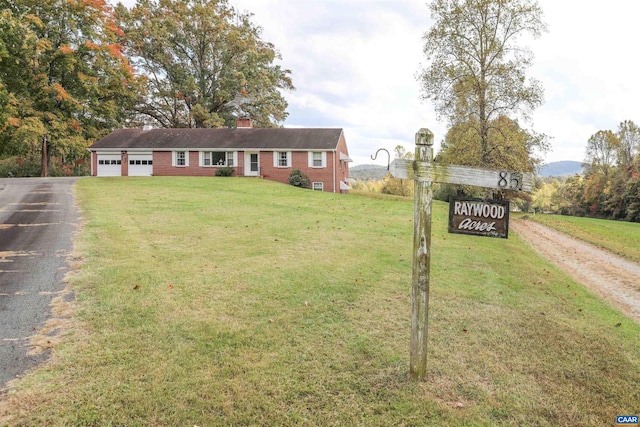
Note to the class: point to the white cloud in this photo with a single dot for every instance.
(354, 64)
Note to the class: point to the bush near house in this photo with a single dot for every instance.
(225, 171)
(298, 179)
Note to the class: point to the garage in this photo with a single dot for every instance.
(140, 164)
(109, 165)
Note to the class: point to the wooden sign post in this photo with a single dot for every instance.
(424, 172)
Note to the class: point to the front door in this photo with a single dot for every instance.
(251, 164)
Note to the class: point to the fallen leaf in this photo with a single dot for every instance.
(306, 303)
(458, 405)
(170, 286)
(617, 325)
(136, 287)
(465, 331)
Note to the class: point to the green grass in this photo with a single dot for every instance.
(617, 236)
(242, 302)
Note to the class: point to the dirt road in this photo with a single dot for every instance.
(613, 278)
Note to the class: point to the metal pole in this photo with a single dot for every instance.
(423, 194)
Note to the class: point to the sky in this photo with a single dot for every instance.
(354, 64)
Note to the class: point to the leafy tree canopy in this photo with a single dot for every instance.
(602, 150)
(476, 78)
(508, 146)
(205, 64)
(63, 73)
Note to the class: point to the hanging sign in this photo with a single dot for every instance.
(479, 217)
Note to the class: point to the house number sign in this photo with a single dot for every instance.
(489, 217)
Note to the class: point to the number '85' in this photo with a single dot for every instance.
(512, 181)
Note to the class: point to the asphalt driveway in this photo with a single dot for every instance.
(37, 222)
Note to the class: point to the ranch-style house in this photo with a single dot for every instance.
(270, 153)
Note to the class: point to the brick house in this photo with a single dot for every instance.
(270, 153)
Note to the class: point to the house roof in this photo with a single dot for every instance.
(221, 138)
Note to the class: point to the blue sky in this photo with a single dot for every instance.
(354, 64)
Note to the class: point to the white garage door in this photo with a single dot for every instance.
(140, 164)
(109, 165)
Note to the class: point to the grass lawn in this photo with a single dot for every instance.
(619, 237)
(243, 302)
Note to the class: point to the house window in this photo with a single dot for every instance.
(180, 158)
(282, 159)
(317, 159)
(318, 186)
(217, 158)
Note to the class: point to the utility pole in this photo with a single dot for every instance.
(45, 163)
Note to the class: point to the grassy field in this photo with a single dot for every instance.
(242, 302)
(619, 237)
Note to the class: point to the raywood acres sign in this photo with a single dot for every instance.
(479, 217)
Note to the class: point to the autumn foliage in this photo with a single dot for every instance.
(74, 70)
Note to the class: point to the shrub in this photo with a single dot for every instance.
(225, 171)
(298, 179)
(19, 167)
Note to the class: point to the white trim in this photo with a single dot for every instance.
(313, 186)
(233, 157)
(344, 186)
(174, 158)
(323, 159)
(276, 159)
(333, 169)
(247, 163)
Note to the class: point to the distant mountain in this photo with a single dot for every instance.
(559, 169)
(562, 168)
(366, 172)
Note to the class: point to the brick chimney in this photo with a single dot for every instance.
(244, 122)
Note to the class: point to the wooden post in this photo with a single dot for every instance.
(424, 172)
(423, 194)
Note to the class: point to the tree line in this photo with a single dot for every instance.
(72, 71)
(610, 185)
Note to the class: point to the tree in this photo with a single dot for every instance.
(602, 150)
(402, 153)
(63, 73)
(629, 143)
(477, 71)
(543, 199)
(398, 186)
(205, 63)
(569, 197)
(510, 146)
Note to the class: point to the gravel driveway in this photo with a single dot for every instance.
(37, 222)
(613, 278)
